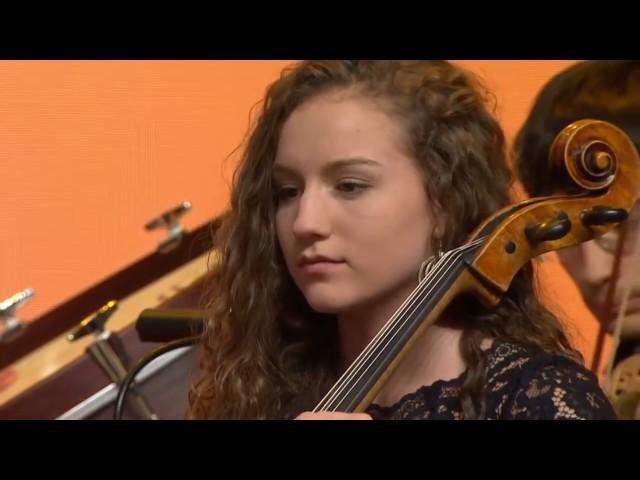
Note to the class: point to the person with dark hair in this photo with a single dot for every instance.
(354, 173)
(606, 90)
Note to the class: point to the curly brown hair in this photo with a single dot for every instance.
(266, 353)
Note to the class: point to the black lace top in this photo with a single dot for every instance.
(522, 384)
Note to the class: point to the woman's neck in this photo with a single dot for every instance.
(435, 355)
(358, 326)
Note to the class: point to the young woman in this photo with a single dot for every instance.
(354, 173)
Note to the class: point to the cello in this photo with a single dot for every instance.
(598, 169)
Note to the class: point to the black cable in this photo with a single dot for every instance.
(131, 375)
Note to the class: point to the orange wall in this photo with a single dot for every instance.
(515, 83)
(92, 150)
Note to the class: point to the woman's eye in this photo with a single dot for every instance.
(351, 187)
(286, 192)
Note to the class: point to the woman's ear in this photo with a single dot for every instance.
(437, 234)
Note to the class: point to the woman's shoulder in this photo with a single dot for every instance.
(525, 382)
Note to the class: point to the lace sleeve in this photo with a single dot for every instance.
(558, 390)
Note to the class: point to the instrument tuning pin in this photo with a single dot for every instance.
(549, 230)
(602, 215)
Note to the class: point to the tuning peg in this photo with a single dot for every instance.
(549, 230)
(602, 215)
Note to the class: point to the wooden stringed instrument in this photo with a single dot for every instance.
(598, 168)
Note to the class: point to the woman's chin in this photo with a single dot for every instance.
(326, 304)
(324, 307)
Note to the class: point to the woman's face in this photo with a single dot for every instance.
(353, 219)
